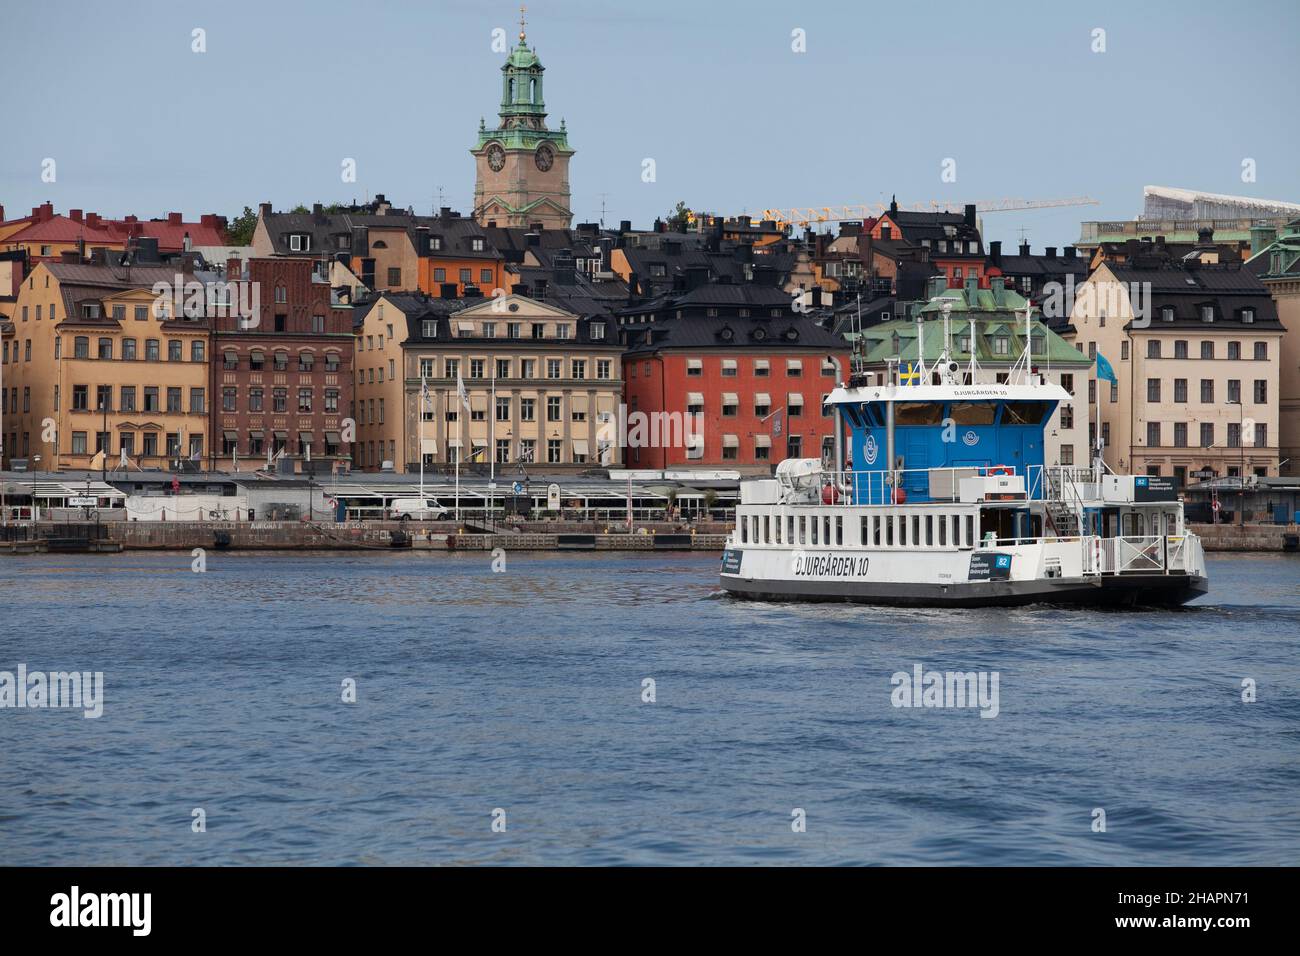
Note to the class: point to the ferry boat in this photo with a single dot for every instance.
(945, 500)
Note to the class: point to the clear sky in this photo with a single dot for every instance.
(712, 90)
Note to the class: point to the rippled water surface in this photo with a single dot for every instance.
(522, 691)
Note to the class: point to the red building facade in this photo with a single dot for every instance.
(754, 393)
(282, 385)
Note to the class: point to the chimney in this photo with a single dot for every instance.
(93, 220)
(187, 243)
(447, 290)
(317, 212)
(1069, 252)
(263, 209)
(2, 213)
(421, 240)
(532, 238)
(972, 286)
(999, 286)
(1051, 252)
(71, 256)
(995, 252)
(606, 254)
(539, 288)
(173, 219)
(625, 225)
(1024, 248)
(1204, 236)
(234, 268)
(360, 241)
(44, 212)
(938, 285)
(73, 214)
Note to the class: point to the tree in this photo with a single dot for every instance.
(678, 218)
(239, 232)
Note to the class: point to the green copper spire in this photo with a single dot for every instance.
(523, 109)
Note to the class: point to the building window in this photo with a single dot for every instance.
(127, 396)
(1207, 313)
(1261, 435)
(1261, 351)
(553, 409)
(128, 350)
(1067, 458)
(1153, 349)
(395, 276)
(603, 368)
(553, 451)
(304, 402)
(527, 409)
(151, 398)
(1180, 349)
(1180, 434)
(1234, 351)
(1234, 391)
(1261, 391)
(81, 347)
(1207, 350)
(1207, 434)
(1153, 434)
(1180, 390)
(280, 400)
(1153, 390)
(1234, 434)
(151, 350)
(255, 398)
(229, 399)
(503, 408)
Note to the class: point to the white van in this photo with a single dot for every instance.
(417, 509)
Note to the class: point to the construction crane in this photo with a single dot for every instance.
(806, 215)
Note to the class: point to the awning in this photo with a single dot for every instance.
(761, 364)
(580, 446)
(794, 398)
(479, 442)
(794, 364)
(453, 443)
(331, 438)
(605, 402)
(763, 441)
(578, 402)
(281, 436)
(465, 328)
(762, 398)
(730, 441)
(694, 398)
(231, 435)
(478, 402)
(428, 446)
(730, 398)
(306, 438)
(695, 364)
(729, 364)
(256, 433)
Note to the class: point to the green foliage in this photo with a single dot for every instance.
(239, 231)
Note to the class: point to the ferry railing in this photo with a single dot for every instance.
(1145, 553)
(883, 487)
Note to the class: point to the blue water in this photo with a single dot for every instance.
(522, 691)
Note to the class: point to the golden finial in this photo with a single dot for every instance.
(522, 10)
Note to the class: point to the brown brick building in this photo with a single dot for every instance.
(282, 382)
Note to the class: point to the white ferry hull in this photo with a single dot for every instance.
(1135, 590)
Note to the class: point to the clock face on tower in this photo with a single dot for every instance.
(496, 157)
(545, 157)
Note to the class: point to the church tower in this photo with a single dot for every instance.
(522, 168)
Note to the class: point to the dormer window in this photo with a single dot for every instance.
(1207, 313)
(597, 331)
(476, 243)
(435, 243)
(1247, 316)
(299, 242)
(379, 244)
(429, 328)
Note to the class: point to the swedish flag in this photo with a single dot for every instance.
(911, 375)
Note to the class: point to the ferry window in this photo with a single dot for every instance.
(973, 413)
(789, 529)
(767, 530)
(889, 531)
(929, 530)
(839, 530)
(875, 530)
(943, 530)
(918, 413)
(744, 531)
(902, 531)
(970, 531)
(826, 530)
(916, 531)
(1024, 413)
(815, 523)
(866, 531)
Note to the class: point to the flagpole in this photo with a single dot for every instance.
(460, 450)
(423, 398)
(492, 453)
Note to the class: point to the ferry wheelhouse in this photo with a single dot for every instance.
(942, 498)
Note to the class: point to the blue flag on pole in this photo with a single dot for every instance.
(1104, 371)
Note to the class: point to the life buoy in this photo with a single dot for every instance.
(830, 494)
(1000, 470)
